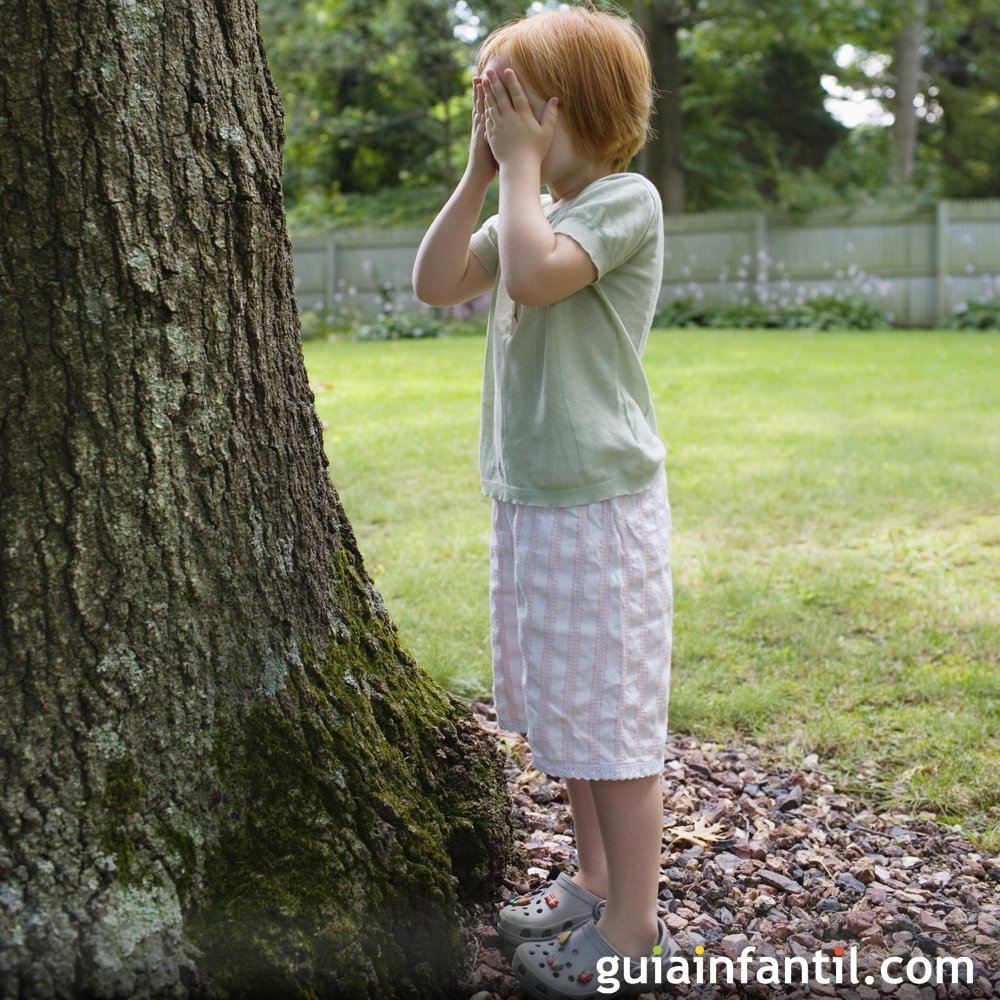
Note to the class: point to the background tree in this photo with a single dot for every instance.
(906, 64)
(963, 65)
(367, 89)
(220, 771)
(779, 109)
(738, 94)
(662, 161)
(377, 120)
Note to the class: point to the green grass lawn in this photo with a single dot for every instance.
(836, 506)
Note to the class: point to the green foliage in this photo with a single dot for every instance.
(780, 109)
(683, 311)
(965, 65)
(377, 104)
(348, 320)
(390, 208)
(366, 90)
(394, 325)
(818, 312)
(981, 315)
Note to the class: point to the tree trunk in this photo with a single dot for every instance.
(907, 62)
(220, 772)
(662, 160)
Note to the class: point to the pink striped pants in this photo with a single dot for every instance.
(580, 619)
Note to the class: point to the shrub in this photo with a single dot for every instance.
(982, 315)
(820, 312)
(830, 312)
(392, 325)
(687, 311)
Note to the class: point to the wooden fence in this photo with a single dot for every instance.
(918, 265)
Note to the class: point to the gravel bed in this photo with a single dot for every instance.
(758, 853)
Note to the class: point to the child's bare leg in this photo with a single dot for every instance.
(593, 869)
(630, 814)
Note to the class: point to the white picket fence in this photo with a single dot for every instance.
(918, 265)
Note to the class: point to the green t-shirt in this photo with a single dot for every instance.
(567, 416)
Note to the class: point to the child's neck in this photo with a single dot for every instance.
(569, 186)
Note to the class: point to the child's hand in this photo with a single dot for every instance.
(512, 129)
(481, 160)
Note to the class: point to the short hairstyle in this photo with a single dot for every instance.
(596, 63)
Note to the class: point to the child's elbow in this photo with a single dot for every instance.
(429, 293)
(526, 292)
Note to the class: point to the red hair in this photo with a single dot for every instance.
(596, 63)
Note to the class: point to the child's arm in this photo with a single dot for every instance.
(538, 266)
(446, 271)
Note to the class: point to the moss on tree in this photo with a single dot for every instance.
(316, 890)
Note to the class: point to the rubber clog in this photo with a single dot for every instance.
(565, 967)
(554, 908)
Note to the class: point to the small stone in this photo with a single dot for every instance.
(727, 862)
(790, 801)
(884, 875)
(928, 945)
(858, 921)
(902, 942)
(750, 849)
(822, 990)
(877, 893)
(778, 881)
(864, 870)
(929, 922)
(733, 945)
(848, 881)
(829, 905)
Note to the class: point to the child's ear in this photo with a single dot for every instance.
(551, 112)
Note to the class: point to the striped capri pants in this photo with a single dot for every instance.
(581, 616)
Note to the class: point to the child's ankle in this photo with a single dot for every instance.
(633, 940)
(596, 884)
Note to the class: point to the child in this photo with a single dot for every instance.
(580, 563)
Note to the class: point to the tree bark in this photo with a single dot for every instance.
(220, 772)
(662, 161)
(907, 62)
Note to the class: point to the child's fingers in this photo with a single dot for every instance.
(496, 92)
(518, 98)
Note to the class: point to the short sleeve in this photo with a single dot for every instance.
(485, 244)
(611, 219)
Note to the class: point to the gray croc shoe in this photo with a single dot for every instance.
(556, 907)
(566, 967)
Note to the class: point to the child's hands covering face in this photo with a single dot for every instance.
(481, 159)
(512, 129)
